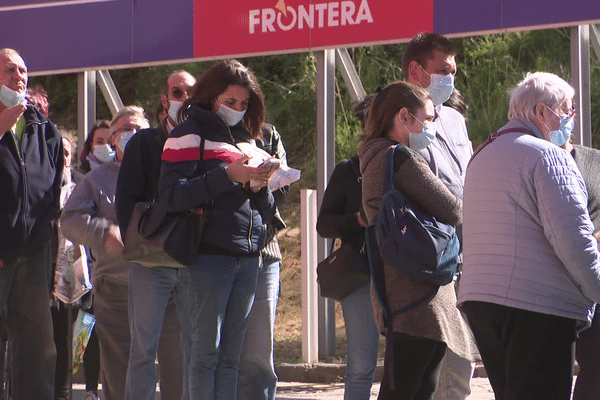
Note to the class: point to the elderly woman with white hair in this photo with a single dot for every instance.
(531, 270)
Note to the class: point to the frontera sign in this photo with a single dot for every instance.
(315, 15)
(272, 26)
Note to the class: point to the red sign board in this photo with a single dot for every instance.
(265, 26)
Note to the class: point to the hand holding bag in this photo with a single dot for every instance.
(155, 237)
(344, 271)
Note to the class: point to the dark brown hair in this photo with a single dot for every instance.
(388, 104)
(361, 109)
(216, 80)
(38, 97)
(421, 47)
(89, 141)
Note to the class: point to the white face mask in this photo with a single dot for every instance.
(9, 97)
(174, 107)
(104, 153)
(230, 116)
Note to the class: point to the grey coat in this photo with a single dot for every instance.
(528, 240)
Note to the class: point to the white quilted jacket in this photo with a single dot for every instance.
(527, 235)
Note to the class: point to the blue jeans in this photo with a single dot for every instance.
(24, 296)
(155, 327)
(258, 380)
(223, 292)
(363, 341)
(455, 377)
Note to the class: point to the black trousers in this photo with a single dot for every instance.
(417, 363)
(587, 386)
(527, 355)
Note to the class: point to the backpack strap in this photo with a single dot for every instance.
(378, 274)
(357, 173)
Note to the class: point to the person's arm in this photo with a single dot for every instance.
(181, 185)
(562, 202)
(265, 203)
(424, 189)
(80, 222)
(279, 152)
(131, 184)
(10, 115)
(333, 221)
(56, 146)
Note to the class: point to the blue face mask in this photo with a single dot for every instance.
(421, 140)
(563, 133)
(441, 88)
(229, 115)
(125, 137)
(9, 97)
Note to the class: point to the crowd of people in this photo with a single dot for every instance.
(525, 206)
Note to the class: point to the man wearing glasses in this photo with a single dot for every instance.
(153, 292)
(89, 218)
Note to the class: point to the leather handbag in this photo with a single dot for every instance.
(344, 271)
(155, 237)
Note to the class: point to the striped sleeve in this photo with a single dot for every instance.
(187, 148)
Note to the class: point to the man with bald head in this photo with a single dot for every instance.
(31, 166)
(154, 292)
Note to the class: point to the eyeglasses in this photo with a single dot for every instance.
(126, 128)
(177, 93)
(570, 114)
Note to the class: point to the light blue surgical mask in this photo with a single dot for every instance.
(441, 88)
(563, 133)
(9, 97)
(419, 141)
(104, 153)
(125, 137)
(565, 128)
(230, 116)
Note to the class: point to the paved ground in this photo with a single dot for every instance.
(300, 390)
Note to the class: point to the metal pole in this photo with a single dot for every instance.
(86, 105)
(109, 91)
(325, 164)
(580, 77)
(348, 70)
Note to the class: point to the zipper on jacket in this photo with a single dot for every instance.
(250, 232)
(23, 180)
(24, 173)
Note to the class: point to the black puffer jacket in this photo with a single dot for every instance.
(191, 178)
(30, 182)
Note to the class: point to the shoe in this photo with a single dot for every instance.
(90, 396)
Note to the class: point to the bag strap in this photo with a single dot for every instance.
(357, 173)
(493, 137)
(378, 279)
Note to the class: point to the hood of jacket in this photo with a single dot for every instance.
(369, 150)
